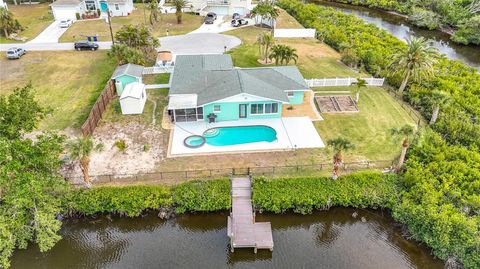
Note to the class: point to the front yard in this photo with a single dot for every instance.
(34, 18)
(83, 28)
(66, 81)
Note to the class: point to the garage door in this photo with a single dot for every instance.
(218, 10)
(64, 13)
(239, 10)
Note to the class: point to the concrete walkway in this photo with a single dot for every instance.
(51, 34)
(199, 43)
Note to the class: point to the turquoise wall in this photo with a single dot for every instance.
(229, 111)
(125, 79)
(296, 99)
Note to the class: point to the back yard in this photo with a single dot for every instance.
(81, 29)
(34, 18)
(67, 81)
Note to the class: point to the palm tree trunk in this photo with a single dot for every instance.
(179, 18)
(404, 83)
(436, 111)
(5, 32)
(84, 165)
(357, 97)
(401, 160)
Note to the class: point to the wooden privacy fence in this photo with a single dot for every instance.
(326, 82)
(174, 177)
(157, 70)
(107, 95)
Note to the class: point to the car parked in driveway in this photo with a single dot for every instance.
(15, 53)
(238, 22)
(65, 23)
(210, 18)
(85, 45)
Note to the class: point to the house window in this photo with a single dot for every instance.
(269, 108)
(217, 108)
(90, 5)
(116, 7)
(200, 113)
(290, 94)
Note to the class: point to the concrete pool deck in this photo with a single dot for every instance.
(292, 133)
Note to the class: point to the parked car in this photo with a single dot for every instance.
(85, 45)
(239, 22)
(65, 23)
(235, 16)
(210, 18)
(15, 53)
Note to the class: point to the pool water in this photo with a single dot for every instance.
(227, 136)
(194, 141)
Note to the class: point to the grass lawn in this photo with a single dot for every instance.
(156, 79)
(285, 21)
(34, 18)
(80, 29)
(68, 82)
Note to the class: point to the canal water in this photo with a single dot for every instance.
(399, 27)
(339, 238)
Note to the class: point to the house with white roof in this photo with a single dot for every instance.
(87, 9)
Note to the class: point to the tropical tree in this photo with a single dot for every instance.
(265, 42)
(405, 132)
(339, 145)
(8, 24)
(125, 54)
(80, 150)
(277, 54)
(415, 62)
(154, 12)
(179, 6)
(283, 54)
(361, 83)
(138, 38)
(438, 99)
(266, 11)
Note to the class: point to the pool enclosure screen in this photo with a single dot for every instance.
(186, 114)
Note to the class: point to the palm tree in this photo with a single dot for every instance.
(406, 131)
(80, 150)
(438, 99)
(277, 54)
(361, 83)
(154, 12)
(339, 145)
(289, 54)
(179, 5)
(265, 10)
(8, 23)
(265, 41)
(416, 62)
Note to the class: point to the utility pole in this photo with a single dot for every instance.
(110, 25)
(144, 14)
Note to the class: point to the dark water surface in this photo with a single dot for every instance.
(399, 27)
(330, 239)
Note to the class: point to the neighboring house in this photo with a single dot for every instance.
(133, 98)
(126, 74)
(221, 7)
(86, 9)
(209, 88)
(3, 4)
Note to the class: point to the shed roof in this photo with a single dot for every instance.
(66, 3)
(133, 70)
(133, 90)
(213, 77)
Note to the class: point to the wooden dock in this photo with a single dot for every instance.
(242, 229)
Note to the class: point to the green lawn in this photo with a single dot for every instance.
(34, 18)
(80, 29)
(68, 82)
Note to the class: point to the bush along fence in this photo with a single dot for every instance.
(175, 177)
(107, 95)
(327, 82)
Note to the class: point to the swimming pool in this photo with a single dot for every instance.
(227, 136)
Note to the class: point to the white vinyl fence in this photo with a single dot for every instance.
(325, 82)
(157, 86)
(294, 33)
(157, 70)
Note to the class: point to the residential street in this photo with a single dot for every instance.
(29, 46)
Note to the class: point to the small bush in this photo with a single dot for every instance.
(146, 147)
(77, 15)
(121, 145)
(209, 195)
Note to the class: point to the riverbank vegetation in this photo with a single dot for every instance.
(440, 180)
(460, 17)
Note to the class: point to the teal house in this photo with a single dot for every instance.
(209, 88)
(126, 74)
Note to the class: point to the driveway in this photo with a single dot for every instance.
(199, 43)
(51, 34)
(221, 24)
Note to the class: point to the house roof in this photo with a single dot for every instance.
(133, 70)
(133, 90)
(164, 55)
(213, 77)
(116, 1)
(66, 3)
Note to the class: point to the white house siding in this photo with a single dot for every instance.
(121, 9)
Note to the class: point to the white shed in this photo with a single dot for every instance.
(133, 98)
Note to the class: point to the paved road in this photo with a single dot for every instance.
(201, 43)
(49, 46)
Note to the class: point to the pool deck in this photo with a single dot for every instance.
(292, 133)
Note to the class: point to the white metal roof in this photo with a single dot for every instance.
(179, 101)
(134, 90)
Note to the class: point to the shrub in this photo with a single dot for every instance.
(130, 201)
(209, 195)
(303, 195)
(77, 15)
(425, 18)
(121, 145)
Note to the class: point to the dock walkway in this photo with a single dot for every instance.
(242, 229)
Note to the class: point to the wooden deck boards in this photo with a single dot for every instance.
(242, 229)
